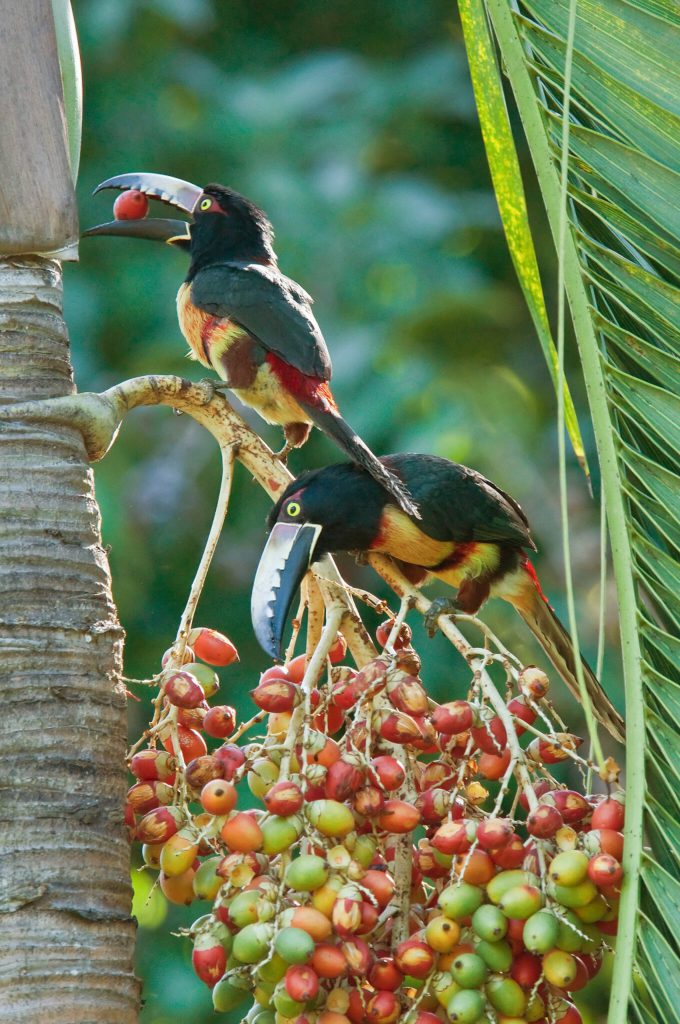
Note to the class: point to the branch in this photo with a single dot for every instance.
(98, 417)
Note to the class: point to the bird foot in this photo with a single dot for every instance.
(216, 386)
(440, 606)
(283, 454)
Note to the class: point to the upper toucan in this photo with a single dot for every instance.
(471, 534)
(243, 318)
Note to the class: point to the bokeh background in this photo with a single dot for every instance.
(354, 126)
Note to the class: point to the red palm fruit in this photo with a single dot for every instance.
(344, 777)
(490, 737)
(454, 717)
(609, 814)
(403, 637)
(131, 205)
(369, 918)
(387, 772)
(358, 955)
(231, 759)
(356, 1009)
(338, 650)
(544, 821)
(572, 805)
(380, 884)
(158, 825)
(347, 687)
(591, 961)
(492, 767)
(212, 647)
(383, 1008)
(454, 837)
(539, 788)
(533, 683)
(193, 718)
(295, 668)
(515, 931)
(146, 796)
(476, 868)
(330, 720)
(191, 743)
(276, 695)
(396, 727)
(427, 741)
(183, 689)
(521, 712)
(385, 975)
(604, 840)
(511, 855)
(241, 833)
(186, 657)
(346, 917)
(209, 959)
(456, 746)
(154, 764)
(368, 801)
(526, 969)
(399, 817)
(328, 961)
(425, 1017)
(409, 661)
(218, 797)
(322, 750)
(604, 870)
(436, 773)
(552, 751)
(414, 957)
(220, 721)
(283, 798)
(608, 927)
(301, 982)
(494, 833)
(426, 861)
(203, 769)
(582, 977)
(407, 693)
(433, 805)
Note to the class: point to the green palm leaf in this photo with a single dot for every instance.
(621, 266)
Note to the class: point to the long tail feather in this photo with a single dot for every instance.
(339, 431)
(529, 601)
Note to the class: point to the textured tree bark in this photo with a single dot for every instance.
(66, 936)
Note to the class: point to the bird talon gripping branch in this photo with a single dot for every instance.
(440, 606)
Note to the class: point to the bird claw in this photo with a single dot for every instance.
(215, 386)
(283, 454)
(440, 606)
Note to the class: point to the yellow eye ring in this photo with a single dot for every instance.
(293, 508)
(205, 204)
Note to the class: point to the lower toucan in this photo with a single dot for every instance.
(471, 534)
(243, 318)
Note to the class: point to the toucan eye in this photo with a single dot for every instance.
(205, 204)
(293, 508)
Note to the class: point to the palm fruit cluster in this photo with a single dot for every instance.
(404, 860)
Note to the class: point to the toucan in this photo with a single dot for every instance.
(471, 534)
(243, 318)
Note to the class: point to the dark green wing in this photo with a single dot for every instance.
(458, 503)
(271, 307)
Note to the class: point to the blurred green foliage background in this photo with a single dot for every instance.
(354, 126)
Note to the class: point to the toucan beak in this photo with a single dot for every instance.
(288, 554)
(172, 191)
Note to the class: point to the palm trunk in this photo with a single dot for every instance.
(66, 936)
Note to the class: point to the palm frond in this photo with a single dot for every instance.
(621, 267)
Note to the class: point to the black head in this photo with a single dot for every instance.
(227, 226)
(333, 509)
(342, 499)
